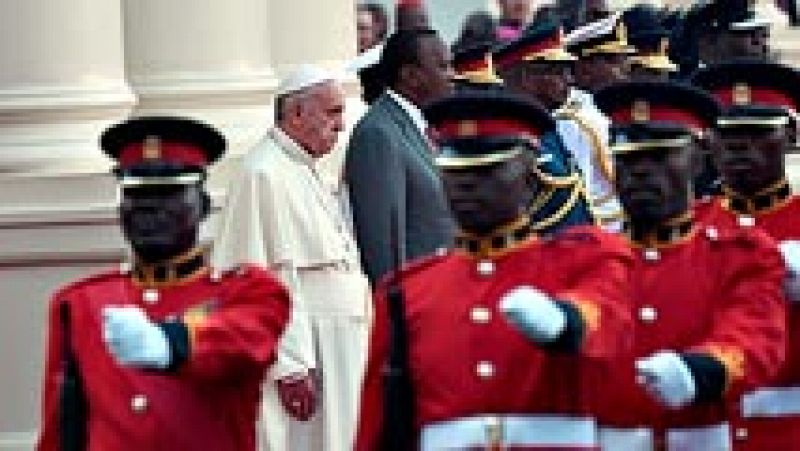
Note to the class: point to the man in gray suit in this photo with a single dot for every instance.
(398, 204)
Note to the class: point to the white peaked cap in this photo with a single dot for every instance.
(304, 77)
(600, 27)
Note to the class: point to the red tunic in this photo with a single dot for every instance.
(778, 431)
(209, 403)
(466, 360)
(714, 292)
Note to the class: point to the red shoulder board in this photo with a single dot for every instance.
(88, 281)
(747, 237)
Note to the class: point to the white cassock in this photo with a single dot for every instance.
(279, 214)
(584, 130)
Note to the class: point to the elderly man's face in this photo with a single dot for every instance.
(599, 70)
(548, 82)
(318, 119)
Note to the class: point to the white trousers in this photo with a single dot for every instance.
(341, 350)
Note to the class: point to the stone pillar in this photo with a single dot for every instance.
(62, 82)
(207, 59)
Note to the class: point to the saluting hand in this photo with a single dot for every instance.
(133, 339)
(667, 377)
(534, 313)
(298, 394)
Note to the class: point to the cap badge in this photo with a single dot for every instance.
(741, 94)
(151, 150)
(622, 33)
(640, 111)
(467, 129)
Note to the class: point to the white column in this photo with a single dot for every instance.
(62, 81)
(308, 31)
(207, 59)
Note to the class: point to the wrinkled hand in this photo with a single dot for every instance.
(133, 339)
(298, 394)
(667, 378)
(534, 313)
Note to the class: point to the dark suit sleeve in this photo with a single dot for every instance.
(376, 178)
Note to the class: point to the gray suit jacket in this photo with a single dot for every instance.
(394, 190)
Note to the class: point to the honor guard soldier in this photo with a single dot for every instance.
(474, 68)
(169, 355)
(602, 49)
(496, 337)
(751, 139)
(708, 299)
(537, 67)
(718, 31)
(651, 39)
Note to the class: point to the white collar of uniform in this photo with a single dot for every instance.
(291, 147)
(412, 110)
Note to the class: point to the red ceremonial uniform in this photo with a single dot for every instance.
(466, 361)
(710, 291)
(208, 403)
(773, 412)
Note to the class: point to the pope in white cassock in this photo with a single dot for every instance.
(280, 214)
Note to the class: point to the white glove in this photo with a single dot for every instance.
(534, 313)
(666, 376)
(791, 255)
(133, 339)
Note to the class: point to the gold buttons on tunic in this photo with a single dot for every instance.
(648, 314)
(747, 221)
(139, 403)
(651, 255)
(150, 296)
(486, 268)
(712, 233)
(480, 315)
(484, 370)
(741, 434)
